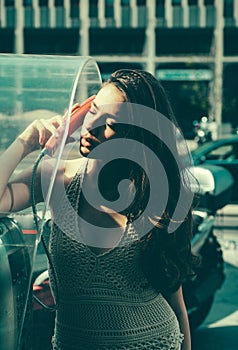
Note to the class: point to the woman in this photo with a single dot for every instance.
(117, 269)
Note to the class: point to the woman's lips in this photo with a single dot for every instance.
(85, 142)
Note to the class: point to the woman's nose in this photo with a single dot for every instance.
(92, 124)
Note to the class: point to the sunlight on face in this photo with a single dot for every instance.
(99, 123)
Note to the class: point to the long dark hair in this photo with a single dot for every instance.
(167, 257)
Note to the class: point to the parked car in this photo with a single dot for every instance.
(222, 152)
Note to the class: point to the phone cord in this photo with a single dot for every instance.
(35, 216)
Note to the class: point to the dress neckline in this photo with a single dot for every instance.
(80, 176)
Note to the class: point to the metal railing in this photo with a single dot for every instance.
(115, 13)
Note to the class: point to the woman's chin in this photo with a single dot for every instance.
(84, 151)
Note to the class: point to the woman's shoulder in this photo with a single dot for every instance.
(66, 169)
(72, 167)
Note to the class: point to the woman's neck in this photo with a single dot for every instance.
(106, 176)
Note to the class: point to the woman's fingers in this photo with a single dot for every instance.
(46, 128)
(39, 131)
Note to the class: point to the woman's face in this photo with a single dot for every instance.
(100, 122)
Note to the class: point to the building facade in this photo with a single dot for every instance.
(192, 45)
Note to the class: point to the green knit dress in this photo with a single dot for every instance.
(104, 300)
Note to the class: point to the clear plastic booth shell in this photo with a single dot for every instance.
(33, 87)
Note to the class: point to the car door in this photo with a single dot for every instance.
(225, 155)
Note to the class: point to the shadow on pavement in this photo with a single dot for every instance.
(218, 338)
(220, 329)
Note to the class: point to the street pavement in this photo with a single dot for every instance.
(220, 329)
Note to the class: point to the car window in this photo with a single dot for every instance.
(220, 153)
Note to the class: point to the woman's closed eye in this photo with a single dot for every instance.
(92, 111)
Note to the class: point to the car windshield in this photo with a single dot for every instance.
(225, 143)
(201, 149)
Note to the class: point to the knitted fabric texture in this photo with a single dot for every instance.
(104, 300)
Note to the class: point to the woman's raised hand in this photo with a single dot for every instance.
(38, 132)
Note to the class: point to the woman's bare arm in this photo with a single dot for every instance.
(15, 195)
(176, 301)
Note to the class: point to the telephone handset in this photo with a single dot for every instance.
(78, 113)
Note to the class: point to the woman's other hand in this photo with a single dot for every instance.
(38, 132)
